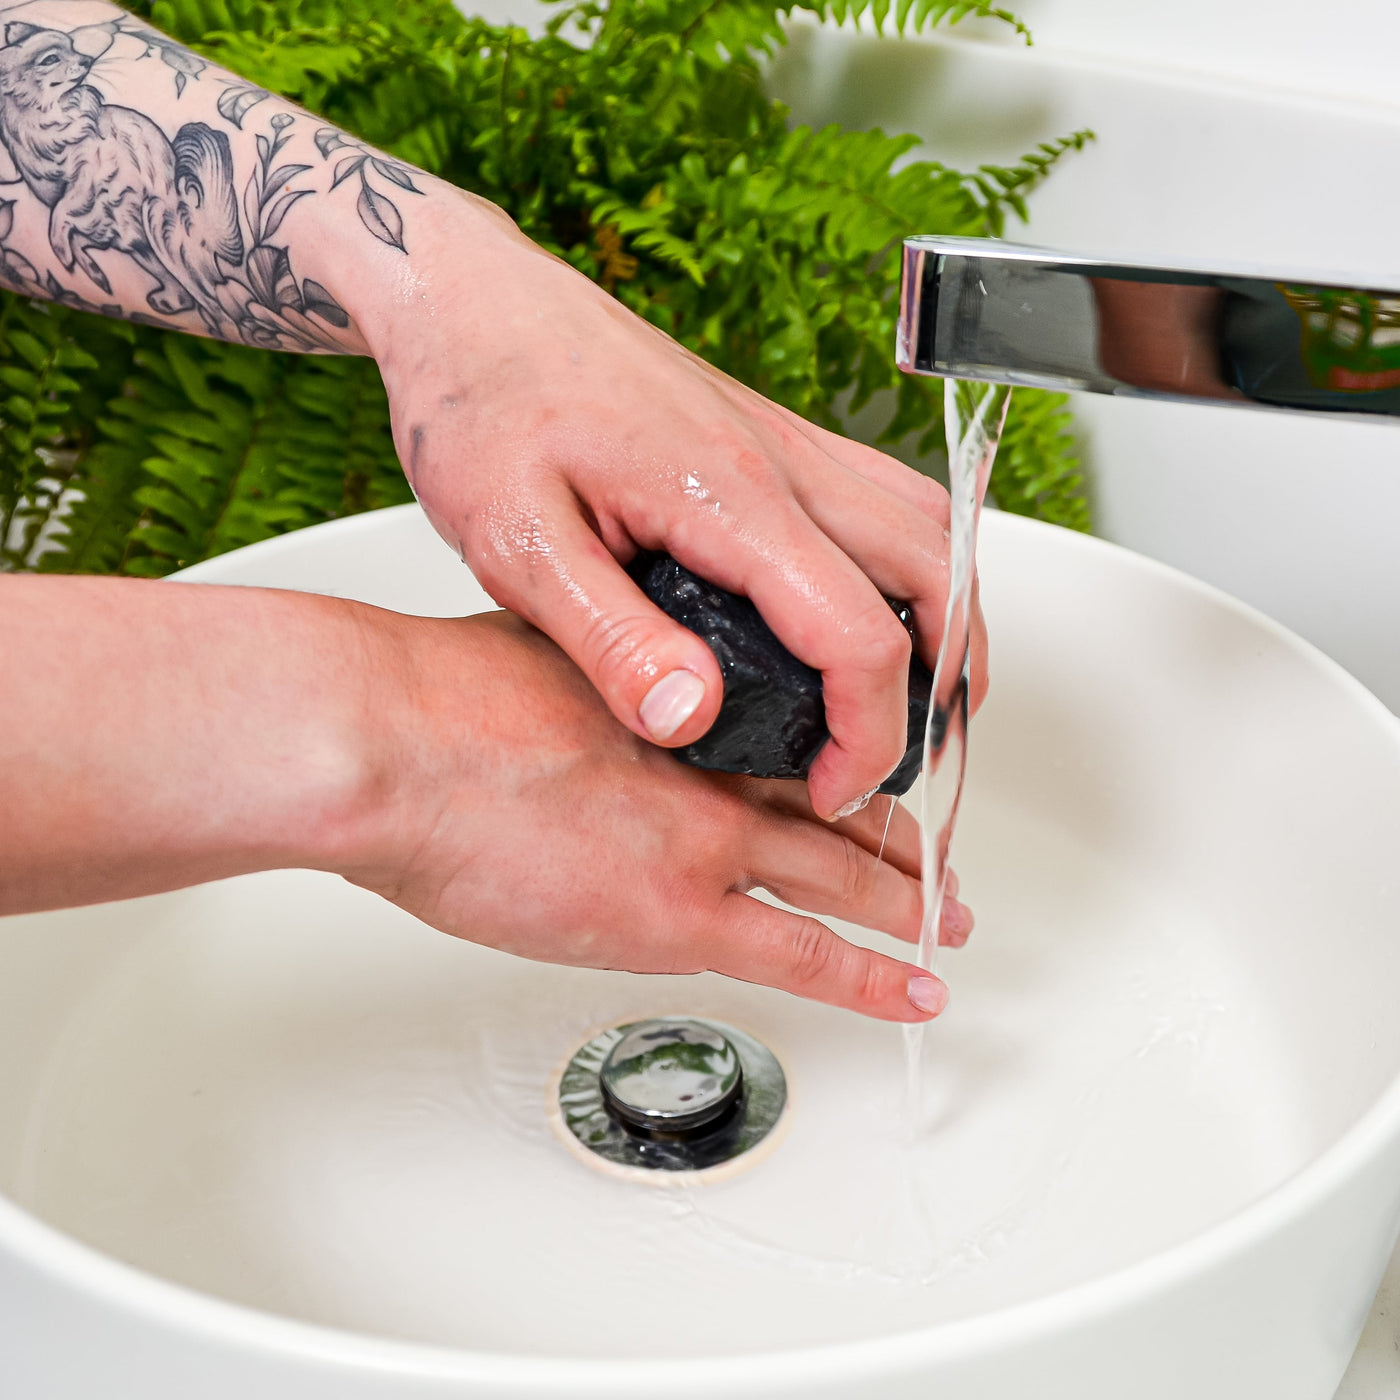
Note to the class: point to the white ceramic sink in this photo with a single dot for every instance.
(274, 1138)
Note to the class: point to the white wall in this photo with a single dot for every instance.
(1343, 48)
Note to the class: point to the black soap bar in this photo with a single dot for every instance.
(772, 722)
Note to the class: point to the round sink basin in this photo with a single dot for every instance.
(272, 1137)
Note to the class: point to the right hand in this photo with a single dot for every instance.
(550, 434)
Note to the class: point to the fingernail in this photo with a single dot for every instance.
(670, 702)
(927, 994)
(857, 804)
(957, 917)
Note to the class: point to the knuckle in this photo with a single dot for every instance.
(870, 990)
(754, 466)
(811, 951)
(856, 875)
(788, 441)
(766, 445)
(932, 498)
(928, 563)
(712, 857)
(617, 649)
(879, 641)
(496, 538)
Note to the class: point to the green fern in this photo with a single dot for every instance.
(38, 364)
(96, 533)
(649, 157)
(1037, 470)
(1002, 188)
(917, 15)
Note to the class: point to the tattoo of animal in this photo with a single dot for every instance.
(112, 180)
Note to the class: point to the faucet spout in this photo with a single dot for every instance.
(978, 308)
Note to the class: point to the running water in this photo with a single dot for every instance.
(973, 415)
(885, 835)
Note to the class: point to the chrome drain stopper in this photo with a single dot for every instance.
(672, 1094)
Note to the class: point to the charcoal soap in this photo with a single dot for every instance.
(772, 722)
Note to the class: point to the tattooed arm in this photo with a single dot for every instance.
(153, 186)
(547, 431)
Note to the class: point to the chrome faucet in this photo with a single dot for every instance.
(977, 308)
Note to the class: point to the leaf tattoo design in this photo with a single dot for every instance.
(377, 211)
(265, 182)
(328, 139)
(274, 290)
(177, 57)
(238, 98)
(380, 216)
(319, 302)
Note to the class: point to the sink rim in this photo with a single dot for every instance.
(127, 1288)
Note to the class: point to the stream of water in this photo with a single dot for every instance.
(973, 415)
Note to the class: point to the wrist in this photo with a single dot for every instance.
(352, 784)
(303, 720)
(458, 247)
(409, 725)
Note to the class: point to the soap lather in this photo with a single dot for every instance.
(772, 722)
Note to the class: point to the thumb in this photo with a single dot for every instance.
(657, 677)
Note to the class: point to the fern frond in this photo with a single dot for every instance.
(47, 377)
(95, 533)
(267, 444)
(1001, 187)
(916, 16)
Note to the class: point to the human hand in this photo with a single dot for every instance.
(461, 767)
(549, 434)
(514, 811)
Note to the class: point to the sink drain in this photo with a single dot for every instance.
(672, 1094)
